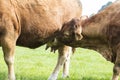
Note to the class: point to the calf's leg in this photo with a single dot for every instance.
(64, 52)
(116, 69)
(67, 63)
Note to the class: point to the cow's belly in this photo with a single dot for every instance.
(34, 40)
(30, 42)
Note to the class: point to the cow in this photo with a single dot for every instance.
(100, 32)
(32, 23)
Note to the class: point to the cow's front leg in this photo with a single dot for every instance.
(63, 53)
(116, 69)
(8, 46)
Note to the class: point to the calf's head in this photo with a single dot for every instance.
(70, 32)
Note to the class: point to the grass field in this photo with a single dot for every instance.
(38, 64)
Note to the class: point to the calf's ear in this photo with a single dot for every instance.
(83, 19)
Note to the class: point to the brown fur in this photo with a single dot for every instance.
(101, 32)
(32, 23)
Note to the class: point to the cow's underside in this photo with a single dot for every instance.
(33, 40)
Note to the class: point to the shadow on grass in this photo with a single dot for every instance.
(93, 78)
(3, 76)
(85, 78)
(21, 77)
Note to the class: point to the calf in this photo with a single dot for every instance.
(100, 32)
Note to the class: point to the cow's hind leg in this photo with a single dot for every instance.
(9, 32)
(8, 46)
(8, 42)
(64, 52)
(116, 69)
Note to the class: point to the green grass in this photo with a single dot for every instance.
(38, 64)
